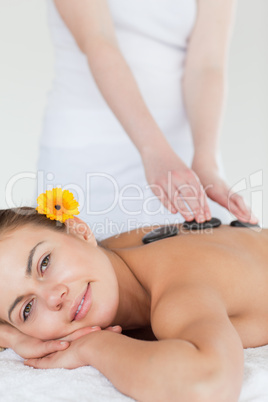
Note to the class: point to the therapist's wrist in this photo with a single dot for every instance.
(205, 158)
(157, 147)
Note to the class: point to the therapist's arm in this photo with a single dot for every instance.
(92, 27)
(204, 89)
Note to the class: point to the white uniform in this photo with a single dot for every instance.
(83, 146)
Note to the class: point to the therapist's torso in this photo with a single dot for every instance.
(153, 36)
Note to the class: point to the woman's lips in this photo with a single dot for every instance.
(85, 306)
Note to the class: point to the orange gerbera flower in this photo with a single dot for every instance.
(57, 204)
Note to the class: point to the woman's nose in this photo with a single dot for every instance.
(55, 296)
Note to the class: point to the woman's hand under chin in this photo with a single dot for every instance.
(72, 356)
(30, 347)
(218, 190)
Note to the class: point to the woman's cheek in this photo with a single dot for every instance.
(46, 329)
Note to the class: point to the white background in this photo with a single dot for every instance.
(26, 73)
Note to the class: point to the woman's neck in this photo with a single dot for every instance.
(134, 302)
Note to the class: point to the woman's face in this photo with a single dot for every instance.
(47, 276)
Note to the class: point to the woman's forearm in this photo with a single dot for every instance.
(120, 90)
(167, 370)
(204, 96)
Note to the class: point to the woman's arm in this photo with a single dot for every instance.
(29, 347)
(199, 356)
(204, 88)
(91, 25)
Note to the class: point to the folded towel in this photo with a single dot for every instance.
(23, 383)
(255, 385)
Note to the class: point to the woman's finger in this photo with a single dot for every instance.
(79, 333)
(49, 347)
(115, 328)
(40, 363)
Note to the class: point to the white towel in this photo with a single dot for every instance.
(19, 383)
(255, 385)
(86, 384)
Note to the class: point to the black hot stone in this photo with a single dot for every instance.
(239, 224)
(213, 223)
(160, 233)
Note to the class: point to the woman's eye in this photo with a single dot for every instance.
(27, 310)
(44, 264)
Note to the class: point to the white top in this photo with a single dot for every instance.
(153, 37)
(81, 135)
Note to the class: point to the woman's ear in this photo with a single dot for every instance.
(79, 228)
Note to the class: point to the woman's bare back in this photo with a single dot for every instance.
(233, 262)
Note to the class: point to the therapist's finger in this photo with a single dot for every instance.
(159, 191)
(239, 208)
(189, 199)
(192, 196)
(182, 209)
(201, 197)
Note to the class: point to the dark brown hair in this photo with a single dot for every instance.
(16, 217)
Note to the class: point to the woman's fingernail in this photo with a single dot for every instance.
(64, 343)
(96, 328)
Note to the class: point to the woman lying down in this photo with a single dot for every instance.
(64, 299)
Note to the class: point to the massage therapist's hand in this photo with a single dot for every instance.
(70, 358)
(218, 191)
(175, 184)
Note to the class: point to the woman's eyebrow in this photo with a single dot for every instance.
(28, 274)
(28, 271)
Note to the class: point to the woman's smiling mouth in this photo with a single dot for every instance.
(80, 305)
(81, 308)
